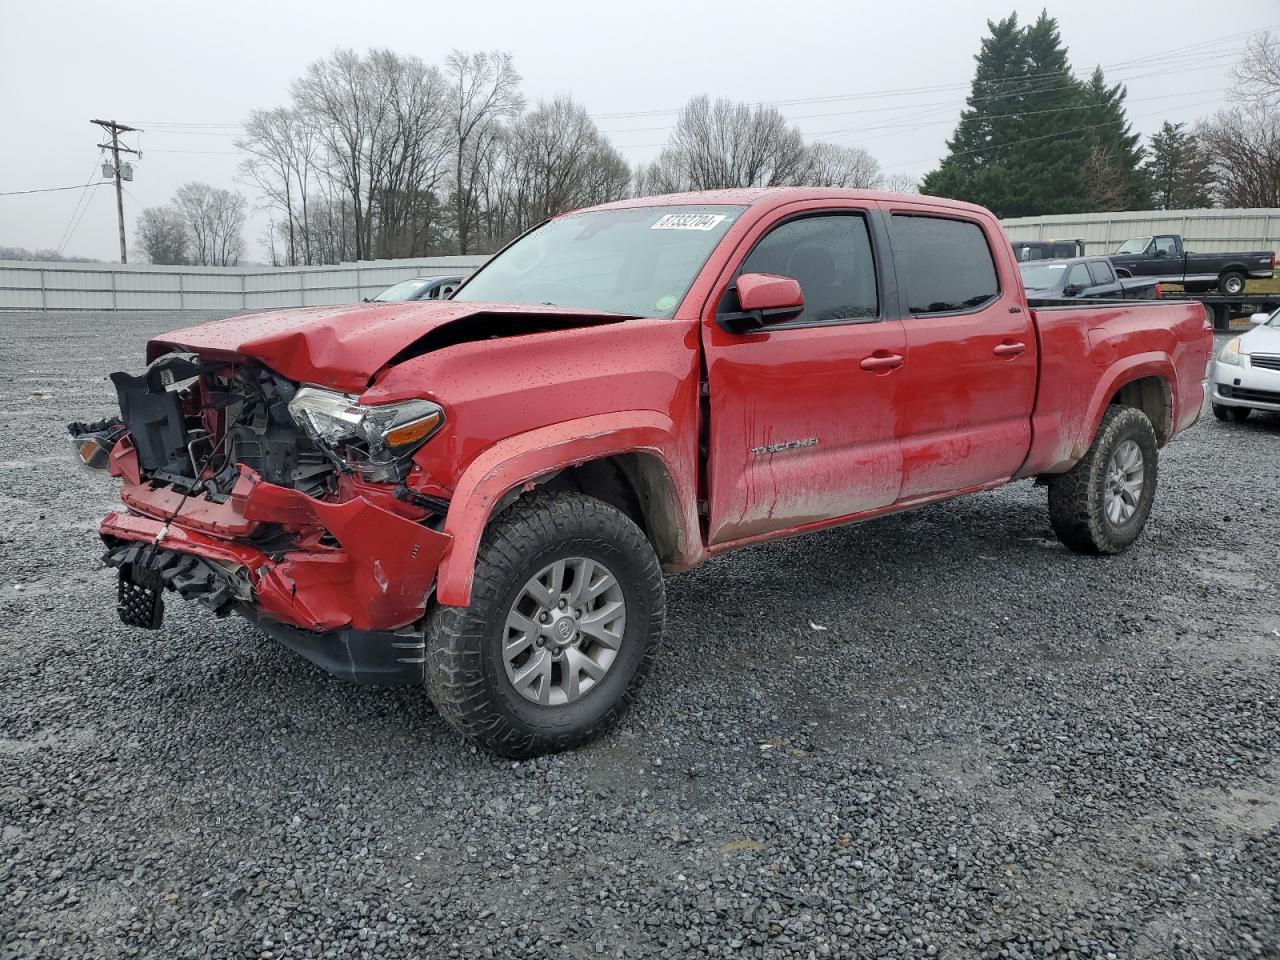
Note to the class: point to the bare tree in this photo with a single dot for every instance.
(900, 183)
(1242, 143)
(1256, 78)
(214, 220)
(1103, 181)
(348, 111)
(719, 144)
(161, 232)
(283, 146)
(485, 93)
(725, 144)
(833, 165)
(557, 160)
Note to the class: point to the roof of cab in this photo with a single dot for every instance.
(777, 196)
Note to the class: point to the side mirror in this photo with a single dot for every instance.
(764, 298)
(1258, 318)
(1160, 253)
(1072, 290)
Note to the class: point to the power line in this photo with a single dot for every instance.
(82, 199)
(1031, 90)
(884, 93)
(76, 226)
(74, 186)
(1046, 136)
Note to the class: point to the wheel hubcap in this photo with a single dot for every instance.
(564, 631)
(1122, 487)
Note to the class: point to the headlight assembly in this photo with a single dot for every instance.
(374, 440)
(1230, 352)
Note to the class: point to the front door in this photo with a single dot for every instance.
(802, 414)
(967, 393)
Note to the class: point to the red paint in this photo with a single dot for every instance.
(805, 426)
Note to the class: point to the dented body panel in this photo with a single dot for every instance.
(715, 439)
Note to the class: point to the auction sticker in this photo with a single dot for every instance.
(689, 221)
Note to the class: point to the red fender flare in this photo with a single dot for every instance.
(524, 458)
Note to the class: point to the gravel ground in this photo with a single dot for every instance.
(938, 734)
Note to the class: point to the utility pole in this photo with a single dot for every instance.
(115, 129)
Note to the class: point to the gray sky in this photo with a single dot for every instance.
(176, 62)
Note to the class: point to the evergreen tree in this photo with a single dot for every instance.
(1112, 135)
(1048, 164)
(1178, 170)
(1033, 139)
(973, 170)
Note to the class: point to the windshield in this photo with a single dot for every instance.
(638, 261)
(404, 290)
(1041, 276)
(1136, 245)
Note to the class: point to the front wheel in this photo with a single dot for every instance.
(1238, 414)
(1102, 503)
(564, 625)
(1231, 284)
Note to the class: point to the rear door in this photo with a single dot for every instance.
(1077, 281)
(1103, 281)
(965, 400)
(802, 415)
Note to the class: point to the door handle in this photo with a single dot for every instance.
(1009, 349)
(881, 363)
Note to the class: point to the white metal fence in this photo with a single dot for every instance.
(1204, 231)
(56, 285)
(110, 286)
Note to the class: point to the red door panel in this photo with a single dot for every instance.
(967, 394)
(802, 417)
(966, 400)
(800, 431)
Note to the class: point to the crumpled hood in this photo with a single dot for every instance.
(344, 347)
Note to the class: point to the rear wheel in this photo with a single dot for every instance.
(1102, 503)
(1231, 284)
(1238, 414)
(564, 624)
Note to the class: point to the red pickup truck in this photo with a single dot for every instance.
(481, 494)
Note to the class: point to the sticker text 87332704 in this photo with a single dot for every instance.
(688, 221)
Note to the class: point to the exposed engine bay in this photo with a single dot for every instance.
(192, 421)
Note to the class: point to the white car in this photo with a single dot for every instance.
(1246, 375)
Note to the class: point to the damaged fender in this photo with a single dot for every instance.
(527, 457)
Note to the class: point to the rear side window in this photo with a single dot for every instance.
(947, 263)
(1100, 270)
(830, 257)
(1078, 276)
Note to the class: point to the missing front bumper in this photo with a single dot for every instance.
(369, 657)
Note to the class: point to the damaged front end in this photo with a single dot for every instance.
(289, 505)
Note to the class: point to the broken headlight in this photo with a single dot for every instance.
(374, 440)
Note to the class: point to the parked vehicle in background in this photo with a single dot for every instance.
(1246, 375)
(1047, 249)
(480, 494)
(1163, 257)
(419, 288)
(1083, 278)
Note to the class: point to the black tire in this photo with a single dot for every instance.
(466, 675)
(1077, 497)
(1238, 414)
(1231, 283)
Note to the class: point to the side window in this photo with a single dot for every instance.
(830, 257)
(1078, 276)
(1166, 245)
(945, 264)
(1100, 271)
